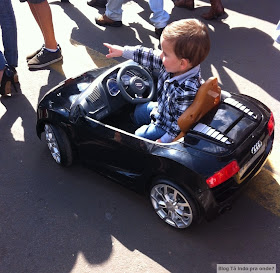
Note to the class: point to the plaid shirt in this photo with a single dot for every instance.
(174, 94)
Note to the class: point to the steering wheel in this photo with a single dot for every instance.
(134, 90)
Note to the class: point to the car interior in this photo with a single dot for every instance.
(112, 100)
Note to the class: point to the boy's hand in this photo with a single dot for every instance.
(114, 50)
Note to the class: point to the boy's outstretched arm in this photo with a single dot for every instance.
(114, 50)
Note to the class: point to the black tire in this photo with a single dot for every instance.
(59, 145)
(173, 204)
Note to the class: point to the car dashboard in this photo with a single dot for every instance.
(103, 96)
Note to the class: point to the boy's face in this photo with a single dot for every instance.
(170, 61)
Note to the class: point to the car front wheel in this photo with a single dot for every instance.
(58, 144)
(172, 204)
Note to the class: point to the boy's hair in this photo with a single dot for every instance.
(191, 39)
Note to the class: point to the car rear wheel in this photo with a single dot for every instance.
(172, 204)
(58, 144)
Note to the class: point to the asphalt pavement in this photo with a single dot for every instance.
(72, 220)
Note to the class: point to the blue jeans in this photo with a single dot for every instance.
(9, 33)
(142, 118)
(159, 17)
(2, 61)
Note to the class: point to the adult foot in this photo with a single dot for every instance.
(30, 56)
(103, 20)
(45, 58)
(212, 14)
(97, 3)
(215, 11)
(188, 4)
(7, 81)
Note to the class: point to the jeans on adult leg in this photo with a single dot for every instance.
(2, 61)
(9, 32)
(114, 9)
(159, 17)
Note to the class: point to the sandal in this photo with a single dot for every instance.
(8, 80)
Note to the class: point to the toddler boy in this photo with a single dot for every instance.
(185, 44)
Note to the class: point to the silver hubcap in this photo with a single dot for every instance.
(52, 143)
(171, 206)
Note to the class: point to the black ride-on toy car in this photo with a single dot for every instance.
(225, 140)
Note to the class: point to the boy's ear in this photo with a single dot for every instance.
(186, 64)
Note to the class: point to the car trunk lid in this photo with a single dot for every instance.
(226, 126)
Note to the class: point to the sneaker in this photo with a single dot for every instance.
(44, 58)
(29, 57)
(103, 20)
(97, 3)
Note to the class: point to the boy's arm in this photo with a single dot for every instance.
(142, 55)
(114, 50)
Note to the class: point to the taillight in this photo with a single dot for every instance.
(270, 124)
(224, 174)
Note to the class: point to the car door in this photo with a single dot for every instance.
(115, 153)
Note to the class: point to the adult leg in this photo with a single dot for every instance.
(97, 3)
(114, 9)
(113, 14)
(2, 64)
(188, 4)
(43, 16)
(215, 11)
(1, 75)
(9, 32)
(2, 67)
(6, 77)
(51, 52)
(159, 16)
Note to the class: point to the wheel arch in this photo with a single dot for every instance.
(63, 143)
(192, 202)
(164, 178)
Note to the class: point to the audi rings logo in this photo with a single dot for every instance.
(139, 85)
(256, 147)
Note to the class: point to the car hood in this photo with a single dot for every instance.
(67, 92)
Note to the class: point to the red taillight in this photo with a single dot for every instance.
(270, 124)
(224, 174)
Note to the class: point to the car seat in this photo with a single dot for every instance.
(207, 97)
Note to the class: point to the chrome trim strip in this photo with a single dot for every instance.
(213, 133)
(240, 106)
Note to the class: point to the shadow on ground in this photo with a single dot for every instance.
(50, 215)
